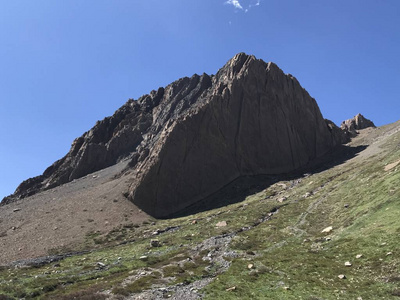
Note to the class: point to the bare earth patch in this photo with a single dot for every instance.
(62, 217)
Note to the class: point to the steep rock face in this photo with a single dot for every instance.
(254, 119)
(191, 138)
(351, 126)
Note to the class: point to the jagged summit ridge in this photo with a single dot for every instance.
(189, 139)
(358, 122)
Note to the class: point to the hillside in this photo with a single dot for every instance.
(330, 233)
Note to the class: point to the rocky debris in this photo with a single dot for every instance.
(233, 288)
(167, 229)
(16, 209)
(359, 255)
(341, 276)
(186, 141)
(348, 264)
(351, 126)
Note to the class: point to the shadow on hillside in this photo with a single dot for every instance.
(239, 189)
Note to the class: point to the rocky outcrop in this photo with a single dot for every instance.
(191, 138)
(359, 122)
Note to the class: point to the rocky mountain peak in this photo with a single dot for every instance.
(358, 122)
(186, 141)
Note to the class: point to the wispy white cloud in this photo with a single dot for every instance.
(244, 7)
(235, 3)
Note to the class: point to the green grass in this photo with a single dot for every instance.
(291, 258)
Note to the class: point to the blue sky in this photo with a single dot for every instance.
(66, 64)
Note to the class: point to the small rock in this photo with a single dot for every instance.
(348, 264)
(231, 289)
(250, 266)
(383, 244)
(280, 200)
(286, 288)
(100, 265)
(389, 253)
(13, 228)
(327, 229)
(155, 243)
(346, 205)
(359, 255)
(55, 228)
(143, 258)
(194, 222)
(327, 239)
(94, 176)
(16, 209)
(157, 232)
(306, 195)
(221, 224)
(341, 276)
(119, 258)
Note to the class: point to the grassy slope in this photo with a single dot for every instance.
(291, 258)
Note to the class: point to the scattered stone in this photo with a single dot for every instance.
(13, 228)
(346, 205)
(306, 195)
(143, 258)
(348, 264)
(221, 224)
(359, 255)
(16, 209)
(389, 253)
(100, 265)
(328, 239)
(250, 266)
(383, 244)
(194, 222)
(280, 200)
(119, 258)
(233, 288)
(286, 288)
(55, 228)
(94, 176)
(392, 165)
(341, 276)
(155, 243)
(327, 229)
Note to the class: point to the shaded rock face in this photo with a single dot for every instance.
(351, 126)
(188, 140)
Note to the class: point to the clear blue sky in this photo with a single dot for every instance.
(65, 64)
